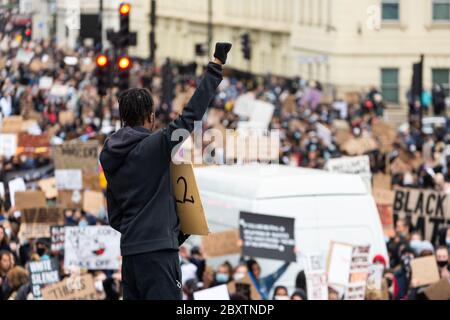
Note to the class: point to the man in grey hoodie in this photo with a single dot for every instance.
(141, 206)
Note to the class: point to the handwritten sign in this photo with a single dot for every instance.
(189, 205)
(222, 243)
(77, 155)
(73, 288)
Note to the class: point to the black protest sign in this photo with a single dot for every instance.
(42, 273)
(428, 211)
(58, 238)
(267, 236)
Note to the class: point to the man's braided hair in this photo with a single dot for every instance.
(135, 107)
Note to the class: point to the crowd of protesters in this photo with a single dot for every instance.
(302, 110)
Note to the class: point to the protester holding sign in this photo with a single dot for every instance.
(136, 162)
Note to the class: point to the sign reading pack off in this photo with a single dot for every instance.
(189, 205)
(267, 236)
(92, 248)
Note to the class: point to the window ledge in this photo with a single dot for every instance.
(392, 24)
(444, 24)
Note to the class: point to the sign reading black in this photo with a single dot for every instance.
(268, 237)
(42, 273)
(58, 236)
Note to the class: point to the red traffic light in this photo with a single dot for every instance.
(124, 63)
(102, 61)
(125, 9)
(28, 32)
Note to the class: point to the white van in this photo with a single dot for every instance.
(326, 207)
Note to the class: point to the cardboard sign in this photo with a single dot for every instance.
(77, 155)
(219, 293)
(12, 124)
(49, 187)
(439, 290)
(317, 286)
(69, 179)
(221, 243)
(34, 230)
(30, 199)
(93, 201)
(384, 199)
(91, 181)
(267, 236)
(42, 273)
(382, 181)
(50, 215)
(385, 133)
(70, 199)
(66, 118)
(57, 238)
(8, 145)
(16, 185)
(92, 248)
(33, 145)
(429, 211)
(74, 288)
(189, 204)
(352, 165)
(339, 263)
(424, 271)
(359, 269)
(359, 146)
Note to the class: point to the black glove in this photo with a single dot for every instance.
(222, 49)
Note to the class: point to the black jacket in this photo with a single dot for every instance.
(136, 163)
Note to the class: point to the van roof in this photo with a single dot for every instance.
(273, 181)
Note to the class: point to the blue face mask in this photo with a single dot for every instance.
(222, 277)
(83, 224)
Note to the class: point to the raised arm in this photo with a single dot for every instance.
(200, 101)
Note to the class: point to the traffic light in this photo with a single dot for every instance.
(124, 64)
(27, 33)
(246, 46)
(103, 74)
(124, 32)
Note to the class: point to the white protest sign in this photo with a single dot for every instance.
(92, 248)
(352, 165)
(59, 90)
(375, 277)
(16, 185)
(215, 293)
(339, 262)
(69, 179)
(45, 83)
(8, 145)
(24, 56)
(317, 286)
(359, 270)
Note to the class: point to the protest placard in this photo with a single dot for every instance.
(70, 199)
(66, 118)
(59, 90)
(69, 179)
(93, 201)
(219, 293)
(12, 124)
(49, 187)
(30, 199)
(24, 56)
(385, 133)
(8, 145)
(382, 181)
(359, 146)
(352, 165)
(439, 290)
(338, 263)
(33, 145)
(429, 211)
(92, 248)
(424, 271)
(221, 243)
(189, 204)
(359, 269)
(266, 236)
(15, 185)
(77, 155)
(34, 230)
(45, 83)
(73, 288)
(317, 286)
(49, 215)
(57, 238)
(42, 273)
(375, 277)
(384, 200)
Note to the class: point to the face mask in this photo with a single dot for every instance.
(83, 224)
(99, 286)
(281, 298)
(222, 277)
(40, 251)
(442, 264)
(447, 241)
(239, 276)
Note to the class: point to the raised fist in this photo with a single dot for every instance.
(222, 49)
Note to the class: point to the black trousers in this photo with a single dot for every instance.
(152, 276)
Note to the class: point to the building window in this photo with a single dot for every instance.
(389, 85)
(441, 10)
(442, 77)
(390, 10)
